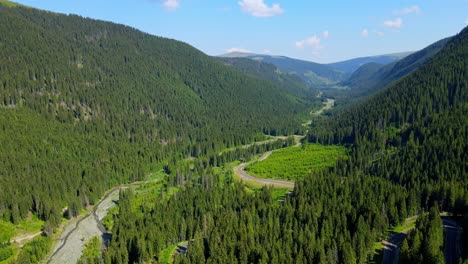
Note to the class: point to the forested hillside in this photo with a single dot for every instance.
(290, 83)
(353, 64)
(86, 104)
(314, 74)
(408, 153)
(371, 80)
(414, 132)
(362, 74)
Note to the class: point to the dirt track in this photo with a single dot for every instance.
(23, 239)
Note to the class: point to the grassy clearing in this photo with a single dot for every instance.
(157, 175)
(296, 162)
(165, 256)
(9, 231)
(25, 227)
(408, 224)
(278, 194)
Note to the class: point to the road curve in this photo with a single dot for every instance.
(452, 236)
(239, 170)
(392, 247)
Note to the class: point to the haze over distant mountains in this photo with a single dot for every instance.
(315, 74)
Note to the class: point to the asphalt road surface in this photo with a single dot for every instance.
(277, 183)
(452, 236)
(392, 247)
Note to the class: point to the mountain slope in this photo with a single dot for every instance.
(353, 64)
(86, 104)
(290, 83)
(437, 86)
(315, 74)
(414, 132)
(362, 74)
(393, 71)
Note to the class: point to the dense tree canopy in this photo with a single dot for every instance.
(86, 104)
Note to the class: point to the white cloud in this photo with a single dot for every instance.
(313, 41)
(380, 33)
(171, 4)
(393, 23)
(325, 34)
(300, 44)
(238, 50)
(365, 33)
(408, 10)
(258, 8)
(266, 51)
(466, 21)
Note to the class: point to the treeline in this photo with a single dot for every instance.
(86, 105)
(328, 219)
(182, 171)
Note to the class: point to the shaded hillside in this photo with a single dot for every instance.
(86, 104)
(290, 83)
(377, 80)
(354, 64)
(314, 74)
(362, 74)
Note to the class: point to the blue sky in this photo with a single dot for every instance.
(320, 31)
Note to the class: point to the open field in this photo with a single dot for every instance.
(295, 163)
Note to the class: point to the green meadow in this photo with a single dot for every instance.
(296, 162)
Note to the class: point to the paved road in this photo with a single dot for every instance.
(277, 183)
(452, 236)
(392, 247)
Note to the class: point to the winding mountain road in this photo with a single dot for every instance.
(452, 249)
(239, 170)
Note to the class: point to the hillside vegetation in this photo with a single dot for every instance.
(86, 104)
(370, 79)
(290, 83)
(414, 132)
(295, 163)
(313, 74)
(353, 64)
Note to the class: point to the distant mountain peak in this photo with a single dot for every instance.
(236, 54)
